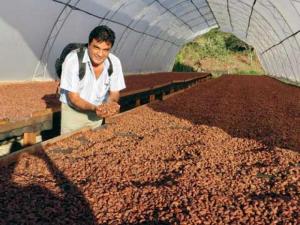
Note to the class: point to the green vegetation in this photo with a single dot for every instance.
(218, 52)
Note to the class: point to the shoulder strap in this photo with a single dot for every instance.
(80, 55)
(110, 68)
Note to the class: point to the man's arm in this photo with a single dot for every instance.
(114, 96)
(80, 103)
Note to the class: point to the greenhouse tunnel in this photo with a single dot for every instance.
(149, 32)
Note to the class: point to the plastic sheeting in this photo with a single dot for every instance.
(149, 32)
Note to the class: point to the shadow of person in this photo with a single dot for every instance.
(51, 100)
(35, 204)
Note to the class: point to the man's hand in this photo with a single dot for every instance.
(107, 109)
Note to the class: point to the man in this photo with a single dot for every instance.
(86, 101)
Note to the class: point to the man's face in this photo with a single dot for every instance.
(98, 51)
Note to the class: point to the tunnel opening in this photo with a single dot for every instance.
(219, 53)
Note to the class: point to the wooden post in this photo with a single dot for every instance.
(163, 95)
(29, 139)
(152, 98)
(138, 102)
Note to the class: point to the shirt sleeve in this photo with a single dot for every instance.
(70, 75)
(117, 77)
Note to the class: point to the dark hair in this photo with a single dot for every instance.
(102, 33)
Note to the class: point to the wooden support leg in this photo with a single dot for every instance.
(138, 102)
(29, 139)
(152, 98)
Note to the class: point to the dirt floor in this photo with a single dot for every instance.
(19, 100)
(226, 151)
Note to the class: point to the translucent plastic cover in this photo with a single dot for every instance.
(149, 32)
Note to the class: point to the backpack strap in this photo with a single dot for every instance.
(110, 68)
(80, 54)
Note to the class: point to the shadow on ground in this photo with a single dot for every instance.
(35, 204)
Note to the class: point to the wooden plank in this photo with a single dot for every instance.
(41, 112)
(4, 121)
(23, 123)
(134, 92)
(162, 85)
(172, 94)
(15, 156)
(29, 139)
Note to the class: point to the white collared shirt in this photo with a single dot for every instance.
(94, 91)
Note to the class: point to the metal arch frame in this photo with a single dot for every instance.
(236, 6)
(275, 63)
(193, 10)
(51, 38)
(148, 51)
(147, 28)
(49, 44)
(144, 32)
(258, 13)
(131, 24)
(110, 20)
(158, 20)
(222, 12)
(249, 21)
(260, 45)
(229, 15)
(142, 35)
(285, 39)
(195, 6)
(274, 59)
(237, 9)
(264, 19)
(121, 3)
(293, 33)
(53, 34)
(187, 1)
(198, 9)
(118, 7)
(190, 21)
(167, 9)
(288, 25)
(152, 44)
(208, 4)
(73, 7)
(237, 26)
(258, 24)
(289, 40)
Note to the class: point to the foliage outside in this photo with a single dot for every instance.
(218, 52)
